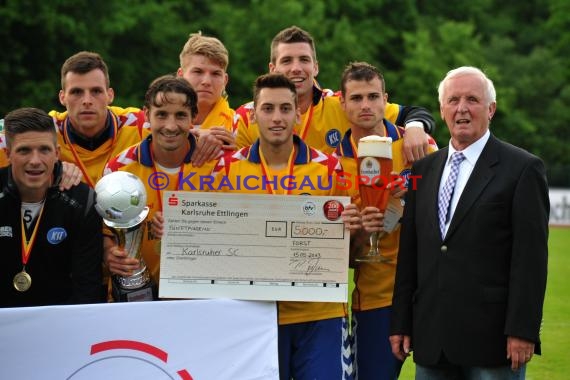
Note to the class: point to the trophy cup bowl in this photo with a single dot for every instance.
(121, 202)
(374, 168)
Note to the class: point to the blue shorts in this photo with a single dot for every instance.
(315, 350)
(373, 357)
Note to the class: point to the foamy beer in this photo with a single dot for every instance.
(121, 201)
(374, 168)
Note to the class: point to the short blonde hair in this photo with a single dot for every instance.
(209, 47)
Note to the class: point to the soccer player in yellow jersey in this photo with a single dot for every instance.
(323, 122)
(364, 100)
(90, 132)
(313, 336)
(163, 161)
(204, 62)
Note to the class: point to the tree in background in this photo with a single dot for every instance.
(523, 46)
(139, 40)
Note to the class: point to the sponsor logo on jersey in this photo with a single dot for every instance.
(6, 231)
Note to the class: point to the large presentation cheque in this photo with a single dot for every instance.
(254, 247)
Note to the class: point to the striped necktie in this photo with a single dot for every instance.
(446, 193)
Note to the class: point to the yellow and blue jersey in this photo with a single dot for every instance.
(220, 116)
(305, 164)
(322, 125)
(125, 127)
(139, 161)
(374, 282)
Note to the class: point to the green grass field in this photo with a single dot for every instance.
(554, 364)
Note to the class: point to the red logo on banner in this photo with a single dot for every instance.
(100, 366)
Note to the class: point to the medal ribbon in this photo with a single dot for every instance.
(78, 161)
(354, 147)
(307, 123)
(158, 191)
(265, 170)
(28, 244)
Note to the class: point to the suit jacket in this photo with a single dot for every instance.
(486, 280)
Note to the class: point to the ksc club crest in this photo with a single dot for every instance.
(405, 174)
(333, 138)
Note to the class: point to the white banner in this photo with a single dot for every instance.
(189, 340)
(559, 207)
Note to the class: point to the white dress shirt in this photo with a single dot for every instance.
(471, 153)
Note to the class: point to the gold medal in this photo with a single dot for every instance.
(22, 281)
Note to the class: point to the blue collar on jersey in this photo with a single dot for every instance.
(344, 149)
(303, 152)
(92, 143)
(144, 157)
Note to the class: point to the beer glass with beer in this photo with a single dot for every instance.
(374, 167)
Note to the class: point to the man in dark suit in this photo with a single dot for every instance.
(472, 265)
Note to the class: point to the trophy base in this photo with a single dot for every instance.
(147, 292)
(373, 258)
(373, 255)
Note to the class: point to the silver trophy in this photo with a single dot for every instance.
(121, 202)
